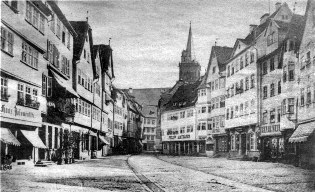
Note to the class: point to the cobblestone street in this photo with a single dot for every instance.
(109, 174)
(113, 174)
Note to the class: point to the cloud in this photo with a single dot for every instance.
(148, 36)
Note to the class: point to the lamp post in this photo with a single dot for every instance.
(70, 120)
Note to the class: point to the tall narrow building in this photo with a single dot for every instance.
(189, 69)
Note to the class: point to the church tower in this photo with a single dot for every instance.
(189, 68)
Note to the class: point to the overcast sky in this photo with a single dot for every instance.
(148, 36)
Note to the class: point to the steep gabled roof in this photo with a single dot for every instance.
(148, 96)
(82, 28)
(60, 15)
(203, 83)
(222, 54)
(105, 52)
(296, 27)
(185, 96)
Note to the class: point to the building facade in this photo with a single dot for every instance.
(303, 138)
(23, 45)
(217, 141)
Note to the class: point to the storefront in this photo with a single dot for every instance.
(303, 139)
(21, 120)
(220, 147)
(244, 142)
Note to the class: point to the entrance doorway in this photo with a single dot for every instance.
(243, 144)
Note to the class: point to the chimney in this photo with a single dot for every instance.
(252, 27)
(263, 18)
(278, 5)
(130, 90)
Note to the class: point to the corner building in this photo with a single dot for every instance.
(23, 45)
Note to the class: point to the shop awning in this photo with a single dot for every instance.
(63, 84)
(104, 139)
(33, 138)
(7, 137)
(302, 133)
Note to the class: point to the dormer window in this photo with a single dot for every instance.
(239, 46)
(213, 70)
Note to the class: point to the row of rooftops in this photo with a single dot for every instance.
(187, 93)
(80, 30)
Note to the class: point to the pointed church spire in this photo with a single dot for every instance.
(188, 48)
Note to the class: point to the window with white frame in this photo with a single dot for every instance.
(252, 141)
(182, 114)
(7, 40)
(232, 142)
(272, 116)
(182, 130)
(203, 126)
(246, 108)
(4, 89)
(29, 55)
(190, 128)
(202, 92)
(35, 17)
(203, 109)
(44, 84)
(190, 113)
(265, 117)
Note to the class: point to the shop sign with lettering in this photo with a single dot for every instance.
(183, 136)
(172, 137)
(20, 112)
(270, 129)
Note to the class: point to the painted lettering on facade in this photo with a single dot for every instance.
(183, 136)
(270, 129)
(16, 112)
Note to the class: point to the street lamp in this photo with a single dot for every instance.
(70, 120)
